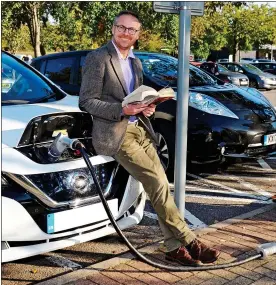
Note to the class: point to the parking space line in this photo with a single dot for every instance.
(244, 200)
(196, 223)
(249, 185)
(258, 168)
(252, 196)
(264, 164)
(215, 183)
(151, 215)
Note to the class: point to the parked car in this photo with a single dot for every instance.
(63, 68)
(228, 76)
(257, 78)
(51, 205)
(269, 67)
(224, 120)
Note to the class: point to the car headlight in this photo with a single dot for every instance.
(209, 105)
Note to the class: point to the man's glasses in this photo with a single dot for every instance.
(122, 29)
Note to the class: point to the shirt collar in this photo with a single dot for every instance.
(130, 53)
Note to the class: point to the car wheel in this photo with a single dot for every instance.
(165, 150)
(253, 84)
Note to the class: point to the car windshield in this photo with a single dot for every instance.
(20, 85)
(162, 69)
(251, 68)
(222, 68)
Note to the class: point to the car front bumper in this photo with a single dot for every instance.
(48, 242)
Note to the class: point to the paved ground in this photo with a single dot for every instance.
(236, 238)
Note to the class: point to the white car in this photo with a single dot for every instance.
(47, 206)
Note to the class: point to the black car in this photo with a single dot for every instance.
(224, 120)
(269, 67)
(257, 78)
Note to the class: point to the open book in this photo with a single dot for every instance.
(147, 95)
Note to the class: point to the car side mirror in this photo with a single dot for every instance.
(240, 71)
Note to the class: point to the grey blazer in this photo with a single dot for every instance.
(102, 91)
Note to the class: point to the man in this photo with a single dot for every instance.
(109, 74)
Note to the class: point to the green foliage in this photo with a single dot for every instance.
(88, 24)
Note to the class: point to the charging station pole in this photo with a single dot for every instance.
(185, 9)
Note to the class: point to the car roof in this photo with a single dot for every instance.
(65, 53)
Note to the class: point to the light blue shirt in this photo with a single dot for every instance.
(126, 68)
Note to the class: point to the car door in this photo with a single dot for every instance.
(61, 71)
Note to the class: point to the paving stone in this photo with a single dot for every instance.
(166, 276)
(240, 281)
(142, 266)
(151, 280)
(193, 280)
(215, 281)
(101, 279)
(271, 265)
(205, 275)
(267, 272)
(265, 281)
(129, 270)
(246, 273)
(183, 275)
(226, 274)
(81, 282)
(121, 277)
(254, 264)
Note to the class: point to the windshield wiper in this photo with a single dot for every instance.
(49, 96)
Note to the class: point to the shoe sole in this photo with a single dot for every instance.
(182, 263)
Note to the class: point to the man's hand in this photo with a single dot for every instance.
(134, 109)
(149, 110)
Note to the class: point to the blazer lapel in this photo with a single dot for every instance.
(116, 65)
(135, 73)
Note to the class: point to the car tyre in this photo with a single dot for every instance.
(166, 149)
(253, 84)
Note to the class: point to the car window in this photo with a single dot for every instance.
(20, 85)
(60, 69)
(231, 67)
(250, 68)
(222, 68)
(163, 70)
(82, 61)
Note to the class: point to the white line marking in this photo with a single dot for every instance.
(249, 186)
(258, 168)
(252, 196)
(229, 199)
(271, 158)
(227, 193)
(196, 223)
(216, 183)
(64, 262)
(243, 176)
(151, 215)
(264, 164)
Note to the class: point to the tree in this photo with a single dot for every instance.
(28, 12)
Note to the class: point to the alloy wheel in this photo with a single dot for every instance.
(163, 151)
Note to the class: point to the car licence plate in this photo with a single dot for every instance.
(81, 216)
(270, 139)
(244, 83)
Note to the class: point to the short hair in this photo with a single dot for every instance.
(126, 12)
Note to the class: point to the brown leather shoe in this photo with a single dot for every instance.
(182, 256)
(200, 251)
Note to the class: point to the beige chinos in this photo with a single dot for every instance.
(138, 156)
